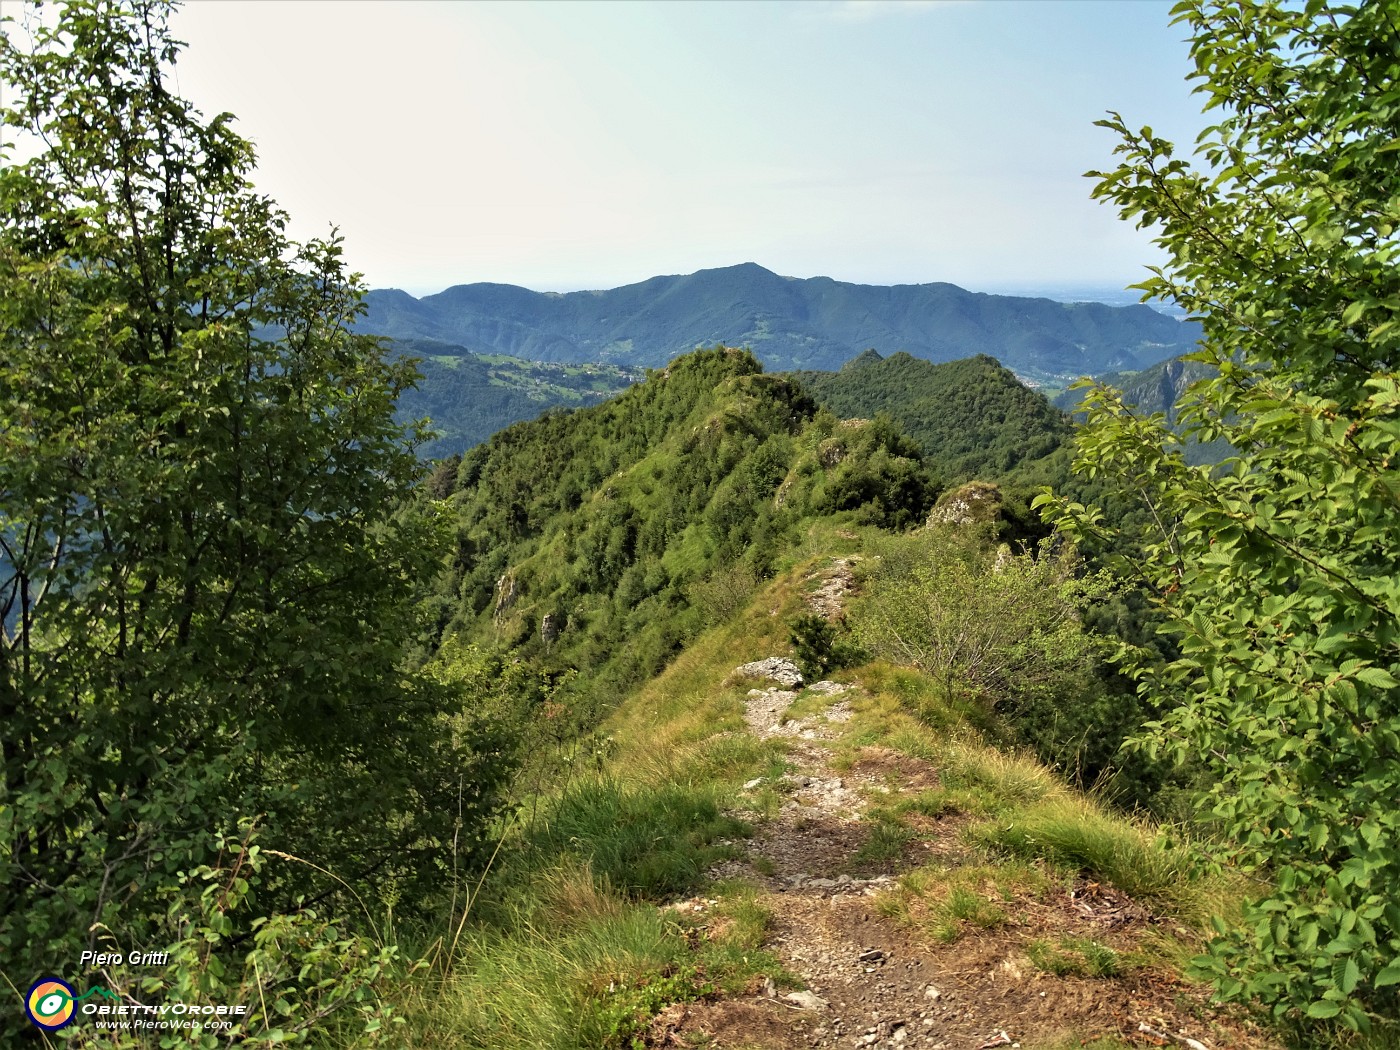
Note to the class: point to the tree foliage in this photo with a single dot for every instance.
(1277, 570)
(206, 581)
(981, 623)
(1005, 632)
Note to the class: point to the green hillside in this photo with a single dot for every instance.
(626, 520)
(467, 397)
(973, 417)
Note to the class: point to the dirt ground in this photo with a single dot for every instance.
(873, 982)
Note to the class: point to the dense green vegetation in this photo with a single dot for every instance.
(788, 322)
(630, 520)
(1277, 569)
(207, 583)
(1005, 633)
(467, 397)
(973, 417)
(975, 420)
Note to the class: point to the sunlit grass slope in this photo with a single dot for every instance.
(570, 943)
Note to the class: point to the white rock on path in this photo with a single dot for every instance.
(782, 672)
(806, 1001)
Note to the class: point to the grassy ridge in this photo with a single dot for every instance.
(568, 945)
(599, 541)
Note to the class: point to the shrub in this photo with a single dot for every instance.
(821, 647)
(1276, 569)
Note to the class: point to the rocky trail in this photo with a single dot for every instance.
(871, 982)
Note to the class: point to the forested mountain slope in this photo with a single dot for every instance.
(580, 532)
(788, 322)
(468, 397)
(973, 418)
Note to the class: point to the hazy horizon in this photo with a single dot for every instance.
(589, 145)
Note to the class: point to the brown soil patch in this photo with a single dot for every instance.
(730, 1025)
(904, 773)
(885, 988)
(1093, 904)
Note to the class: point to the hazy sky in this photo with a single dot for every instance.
(586, 145)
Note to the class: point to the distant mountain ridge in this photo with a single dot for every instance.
(790, 323)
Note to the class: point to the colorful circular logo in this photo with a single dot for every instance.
(50, 1003)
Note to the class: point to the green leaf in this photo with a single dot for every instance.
(1388, 976)
(1349, 976)
(1378, 677)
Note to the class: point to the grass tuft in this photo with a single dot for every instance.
(942, 802)
(883, 847)
(1075, 832)
(1074, 957)
(646, 841)
(1007, 778)
(1076, 1041)
(570, 895)
(946, 903)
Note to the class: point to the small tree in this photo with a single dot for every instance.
(206, 568)
(1278, 570)
(983, 623)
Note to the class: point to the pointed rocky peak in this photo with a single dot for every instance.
(868, 357)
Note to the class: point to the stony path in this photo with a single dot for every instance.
(870, 985)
